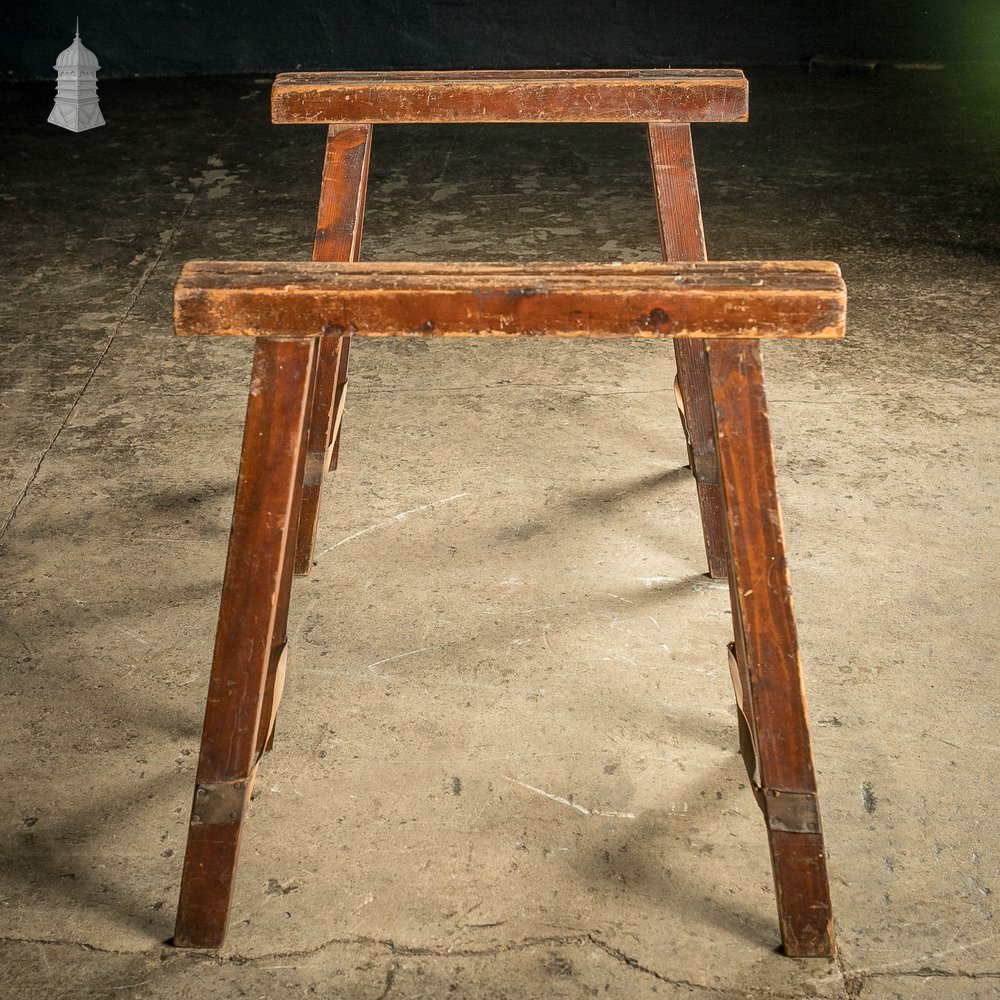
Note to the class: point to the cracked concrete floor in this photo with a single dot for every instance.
(506, 763)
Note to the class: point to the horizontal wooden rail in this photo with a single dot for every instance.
(653, 95)
(707, 300)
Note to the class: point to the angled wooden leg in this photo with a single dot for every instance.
(774, 725)
(279, 641)
(263, 518)
(678, 212)
(338, 237)
(339, 400)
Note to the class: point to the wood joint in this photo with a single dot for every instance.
(220, 803)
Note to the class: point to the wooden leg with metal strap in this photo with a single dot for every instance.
(767, 674)
(246, 656)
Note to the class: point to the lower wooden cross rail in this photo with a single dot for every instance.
(299, 312)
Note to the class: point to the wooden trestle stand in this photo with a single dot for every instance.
(304, 316)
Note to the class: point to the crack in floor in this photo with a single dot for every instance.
(847, 980)
(633, 963)
(853, 981)
(133, 299)
(390, 978)
(170, 954)
(931, 973)
(420, 951)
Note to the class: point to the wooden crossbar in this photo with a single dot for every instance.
(657, 95)
(703, 300)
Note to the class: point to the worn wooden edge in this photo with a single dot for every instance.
(509, 75)
(672, 95)
(750, 270)
(648, 300)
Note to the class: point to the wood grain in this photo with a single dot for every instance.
(717, 95)
(342, 193)
(678, 213)
(338, 238)
(766, 640)
(707, 300)
(262, 517)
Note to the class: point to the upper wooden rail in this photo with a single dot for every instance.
(632, 95)
(712, 300)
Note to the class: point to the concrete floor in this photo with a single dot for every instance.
(506, 763)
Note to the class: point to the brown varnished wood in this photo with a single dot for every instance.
(705, 300)
(258, 548)
(714, 312)
(802, 892)
(678, 212)
(766, 640)
(342, 193)
(757, 296)
(320, 432)
(340, 400)
(338, 238)
(717, 95)
(273, 384)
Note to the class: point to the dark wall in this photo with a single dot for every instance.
(161, 38)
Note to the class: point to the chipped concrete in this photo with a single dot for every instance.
(506, 763)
